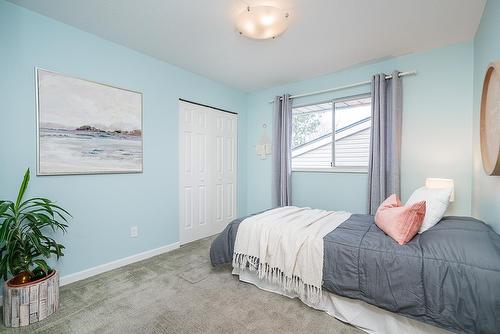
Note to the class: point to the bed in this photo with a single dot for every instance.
(448, 276)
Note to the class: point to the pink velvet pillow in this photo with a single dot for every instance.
(400, 222)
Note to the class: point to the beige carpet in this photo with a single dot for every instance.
(178, 292)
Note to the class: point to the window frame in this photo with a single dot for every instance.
(333, 168)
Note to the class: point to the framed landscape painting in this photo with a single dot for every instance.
(84, 127)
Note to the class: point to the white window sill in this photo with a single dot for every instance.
(353, 170)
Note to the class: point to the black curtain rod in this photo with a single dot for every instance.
(204, 105)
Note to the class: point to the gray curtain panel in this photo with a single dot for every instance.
(385, 145)
(282, 151)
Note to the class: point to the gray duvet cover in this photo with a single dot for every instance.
(448, 276)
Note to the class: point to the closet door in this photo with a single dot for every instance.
(207, 175)
(194, 175)
(225, 171)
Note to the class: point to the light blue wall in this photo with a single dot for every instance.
(104, 206)
(486, 189)
(437, 132)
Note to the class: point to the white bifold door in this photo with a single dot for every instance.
(207, 168)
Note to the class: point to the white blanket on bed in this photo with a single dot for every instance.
(285, 246)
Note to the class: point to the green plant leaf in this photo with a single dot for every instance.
(4, 206)
(42, 264)
(4, 267)
(4, 229)
(23, 187)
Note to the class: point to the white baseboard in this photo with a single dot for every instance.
(116, 264)
(113, 265)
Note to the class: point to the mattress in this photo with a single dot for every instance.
(358, 313)
(448, 276)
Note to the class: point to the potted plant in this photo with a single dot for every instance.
(31, 290)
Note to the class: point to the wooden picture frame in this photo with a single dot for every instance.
(490, 120)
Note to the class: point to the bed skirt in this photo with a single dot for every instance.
(360, 314)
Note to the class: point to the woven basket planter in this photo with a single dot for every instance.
(31, 302)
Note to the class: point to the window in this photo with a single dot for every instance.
(332, 136)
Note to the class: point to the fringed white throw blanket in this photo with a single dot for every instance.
(285, 247)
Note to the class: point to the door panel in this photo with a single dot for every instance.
(188, 204)
(220, 154)
(219, 204)
(202, 205)
(229, 201)
(229, 154)
(188, 149)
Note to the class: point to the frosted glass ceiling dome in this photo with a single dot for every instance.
(262, 22)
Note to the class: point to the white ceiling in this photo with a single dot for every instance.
(324, 35)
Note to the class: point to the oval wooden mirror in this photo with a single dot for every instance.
(490, 120)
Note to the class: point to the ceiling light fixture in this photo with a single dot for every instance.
(262, 22)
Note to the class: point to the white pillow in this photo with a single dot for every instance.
(436, 203)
